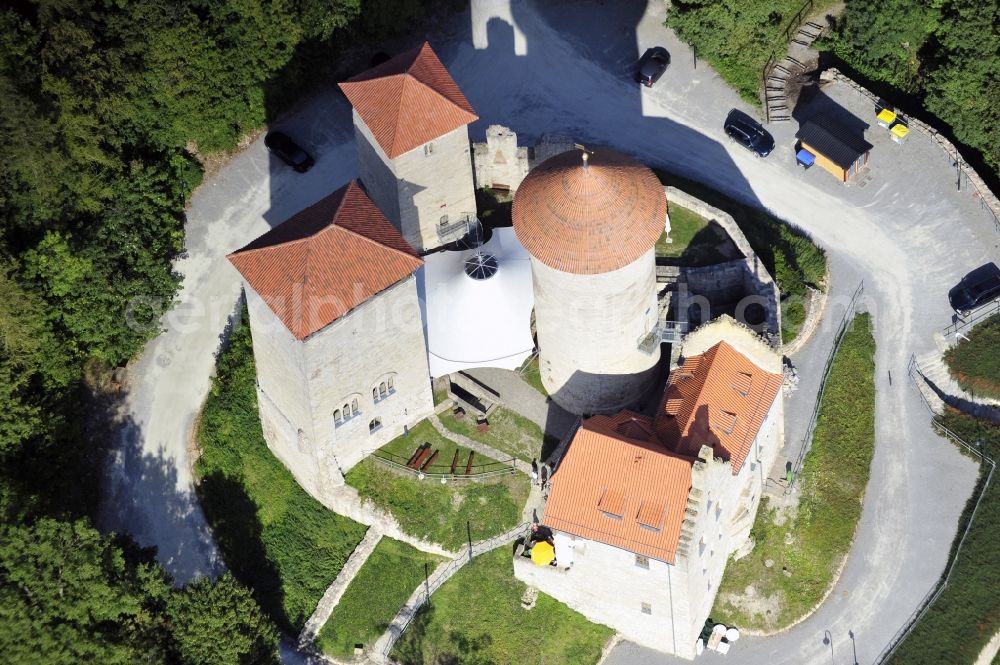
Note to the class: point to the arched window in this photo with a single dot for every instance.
(336, 416)
(381, 389)
(374, 425)
(354, 407)
(347, 411)
(375, 393)
(389, 382)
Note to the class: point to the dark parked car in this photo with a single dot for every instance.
(977, 288)
(288, 151)
(652, 65)
(749, 133)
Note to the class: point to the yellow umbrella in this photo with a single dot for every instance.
(542, 554)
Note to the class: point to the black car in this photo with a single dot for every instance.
(652, 65)
(288, 151)
(749, 133)
(977, 288)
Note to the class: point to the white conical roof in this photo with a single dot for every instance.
(482, 320)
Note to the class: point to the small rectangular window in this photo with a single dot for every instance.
(642, 561)
(647, 608)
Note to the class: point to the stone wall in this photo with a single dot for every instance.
(499, 162)
(303, 385)
(606, 585)
(589, 328)
(990, 200)
(722, 283)
(420, 187)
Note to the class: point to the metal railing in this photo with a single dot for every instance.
(442, 574)
(439, 471)
(838, 338)
(935, 591)
(961, 324)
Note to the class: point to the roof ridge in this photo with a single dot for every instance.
(376, 242)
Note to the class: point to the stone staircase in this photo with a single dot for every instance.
(777, 76)
(942, 389)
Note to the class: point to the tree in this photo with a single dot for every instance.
(220, 624)
(68, 595)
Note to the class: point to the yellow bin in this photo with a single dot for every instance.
(885, 118)
(899, 133)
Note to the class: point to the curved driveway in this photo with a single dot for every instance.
(560, 67)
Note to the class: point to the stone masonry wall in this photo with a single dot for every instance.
(589, 327)
(722, 282)
(499, 161)
(606, 585)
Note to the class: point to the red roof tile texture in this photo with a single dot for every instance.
(589, 219)
(326, 260)
(718, 398)
(408, 100)
(625, 479)
(626, 491)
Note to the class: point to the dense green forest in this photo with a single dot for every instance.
(107, 109)
(941, 54)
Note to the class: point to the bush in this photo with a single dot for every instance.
(975, 362)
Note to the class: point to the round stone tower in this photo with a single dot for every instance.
(590, 223)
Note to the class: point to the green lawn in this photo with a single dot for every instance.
(788, 253)
(967, 614)
(531, 373)
(509, 432)
(476, 618)
(736, 37)
(439, 512)
(833, 481)
(374, 596)
(274, 537)
(975, 362)
(694, 240)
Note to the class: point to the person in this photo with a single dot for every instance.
(534, 471)
(540, 533)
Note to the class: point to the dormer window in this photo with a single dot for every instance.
(725, 421)
(612, 504)
(741, 383)
(650, 516)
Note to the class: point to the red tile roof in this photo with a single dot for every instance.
(589, 219)
(718, 398)
(326, 260)
(618, 485)
(408, 101)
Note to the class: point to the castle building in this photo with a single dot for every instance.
(590, 223)
(414, 157)
(337, 336)
(646, 510)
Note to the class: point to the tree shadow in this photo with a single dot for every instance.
(233, 517)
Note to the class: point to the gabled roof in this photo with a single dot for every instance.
(833, 140)
(718, 398)
(618, 485)
(408, 101)
(326, 260)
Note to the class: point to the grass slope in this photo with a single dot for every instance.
(967, 613)
(439, 512)
(788, 253)
(509, 432)
(975, 362)
(693, 241)
(275, 538)
(833, 479)
(476, 618)
(532, 374)
(374, 596)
